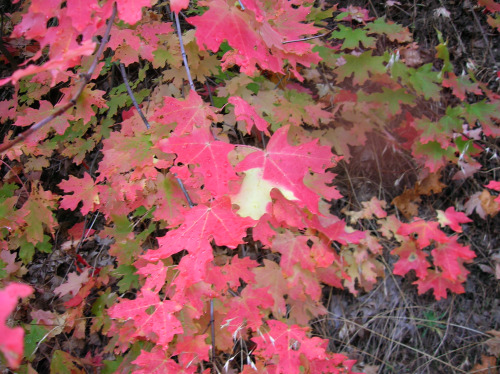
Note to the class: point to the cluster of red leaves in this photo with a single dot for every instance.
(241, 195)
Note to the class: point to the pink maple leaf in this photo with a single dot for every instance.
(452, 218)
(450, 258)
(284, 345)
(286, 166)
(11, 344)
(245, 112)
(410, 258)
(200, 148)
(203, 223)
(153, 318)
(436, 281)
(256, 34)
(84, 190)
(425, 231)
(188, 113)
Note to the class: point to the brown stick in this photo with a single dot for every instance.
(86, 79)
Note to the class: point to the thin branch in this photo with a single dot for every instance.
(308, 38)
(86, 79)
(183, 51)
(132, 97)
(148, 126)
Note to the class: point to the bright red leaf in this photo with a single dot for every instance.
(199, 148)
(84, 190)
(450, 258)
(189, 113)
(426, 231)
(12, 343)
(439, 283)
(286, 166)
(410, 258)
(153, 318)
(452, 218)
(203, 224)
(256, 34)
(245, 112)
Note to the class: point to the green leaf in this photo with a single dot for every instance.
(425, 82)
(129, 280)
(360, 67)
(352, 37)
(393, 31)
(63, 363)
(33, 337)
(392, 98)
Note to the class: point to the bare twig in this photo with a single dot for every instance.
(86, 77)
(308, 38)
(486, 42)
(183, 51)
(132, 97)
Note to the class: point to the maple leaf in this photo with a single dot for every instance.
(256, 35)
(436, 281)
(73, 284)
(286, 166)
(425, 231)
(203, 223)
(12, 338)
(352, 37)
(450, 257)
(158, 362)
(229, 275)
(360, 67)
(271, 277)
(178, 5)
(452, 218)
(294, 250)
(245, 112)
(394, 31)
(249, 310)
(188, 113)
(410, 258)
(131, 10)
(159, 325)
(190, 349)
(200, 148)
(84, 190)
(285, 345)
(483, 203)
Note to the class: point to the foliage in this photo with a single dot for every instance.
(218, 213)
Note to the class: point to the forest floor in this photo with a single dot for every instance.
(392, 329)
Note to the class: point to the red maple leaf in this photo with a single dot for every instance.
(452, 218)
(188, 113)
(245, 112)
(153, 318)
(202, 223)
(178, 5)
(11, 344)
(450, 258)
(249, 310)
(439, 283)
(410, 258)
(286, 166)
(200, 148)
(284, 346)
(256, 34)
(84, 190)
(426, 231)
